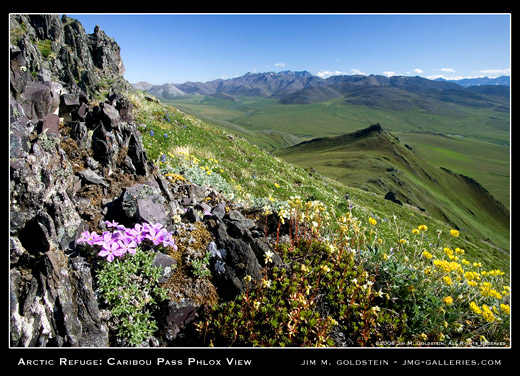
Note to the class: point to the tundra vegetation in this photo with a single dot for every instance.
(355, 270)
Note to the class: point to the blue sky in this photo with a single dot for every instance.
(160, 48)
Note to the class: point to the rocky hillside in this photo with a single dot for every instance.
(77, 164)
(113, 244)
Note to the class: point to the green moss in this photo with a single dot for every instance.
(45, 47)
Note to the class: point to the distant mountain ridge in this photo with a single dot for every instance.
(479, 81)
(395, 92)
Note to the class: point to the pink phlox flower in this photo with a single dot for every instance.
(88, 237)
(155, 236)
(126, 244)
(168, 241)
(110, 251)
(105, 238)
(138, 232)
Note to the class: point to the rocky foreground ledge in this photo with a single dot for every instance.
(77, 162)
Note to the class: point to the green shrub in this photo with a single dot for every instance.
(130, 288)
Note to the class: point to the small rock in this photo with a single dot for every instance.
(90, 177)
(167, 265)
(51, 124)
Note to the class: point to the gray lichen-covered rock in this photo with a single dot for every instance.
(75, 163)
(55, 306)
(143, 203)
(52, 298)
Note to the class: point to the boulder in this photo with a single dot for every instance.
(109, 116)
(37, 100)
(90, 177)
(240, 261)
(175, 317)
(55, 305)
(166, 264)
(51, 124)
(143, 203)
(391, 196)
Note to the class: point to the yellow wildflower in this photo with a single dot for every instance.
(448, 300)
(505, 308)
(454, 233)
(487, 314)
(471, 275)
(427, 254)
(447, 280)
(475, 308)
(422, 228)
(372, 221)
(325, 268)
(446, 266)
(486, 290)
(415, 231)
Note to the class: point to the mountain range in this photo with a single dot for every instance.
(303, 88)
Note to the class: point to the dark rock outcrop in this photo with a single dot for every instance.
(76, 163)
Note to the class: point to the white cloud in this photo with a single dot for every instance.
(450, 70)
(418, 71)
(450, 78)
(280, 65)
(357, 71)
(389, 73)
(496, 72)
(435, 76)
(328, 73)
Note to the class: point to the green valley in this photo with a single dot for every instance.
(376, 161)
(453, 138)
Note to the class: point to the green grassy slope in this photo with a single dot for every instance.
(258, 178)
(427, 267)
(486, 162)
(376, 161)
